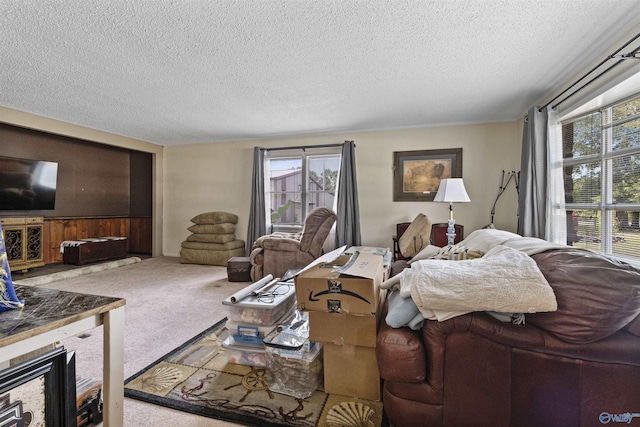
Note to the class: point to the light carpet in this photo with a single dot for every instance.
(167, 303)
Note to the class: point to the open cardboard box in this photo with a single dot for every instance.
(348, 284)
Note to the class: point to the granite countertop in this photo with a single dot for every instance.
(48, 309)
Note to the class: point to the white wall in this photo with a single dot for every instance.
(217, 176)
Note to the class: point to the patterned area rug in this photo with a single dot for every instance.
(196, 378)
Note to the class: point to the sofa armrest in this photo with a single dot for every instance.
(400, 354)
(279, 244)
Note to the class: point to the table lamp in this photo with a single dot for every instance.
(451, 190)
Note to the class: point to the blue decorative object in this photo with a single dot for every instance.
(8, 298)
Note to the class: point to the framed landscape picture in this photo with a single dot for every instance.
(417, 174)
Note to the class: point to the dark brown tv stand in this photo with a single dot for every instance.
(93, 251)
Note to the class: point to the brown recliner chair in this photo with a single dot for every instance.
(278, 252)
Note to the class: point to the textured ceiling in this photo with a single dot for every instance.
(177, 72)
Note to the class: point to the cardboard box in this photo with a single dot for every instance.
(385, 253)
(351, 370)
(342, 328)
(349, 284)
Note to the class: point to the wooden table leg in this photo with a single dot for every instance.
(113, 369)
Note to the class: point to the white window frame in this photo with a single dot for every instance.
(305, 154)
(605, 157)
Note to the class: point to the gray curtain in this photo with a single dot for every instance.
(532, 199)
(257, 214)
(348, 223)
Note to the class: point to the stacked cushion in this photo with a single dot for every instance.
(212, 240)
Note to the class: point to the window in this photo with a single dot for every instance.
(298, 181)
(601, 161)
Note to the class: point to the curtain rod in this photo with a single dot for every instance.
(302, 147)
(608, 58)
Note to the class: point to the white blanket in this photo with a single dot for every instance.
(504, 280)
(485, 239)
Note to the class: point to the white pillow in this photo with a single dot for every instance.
(486, 238)
(425, 253)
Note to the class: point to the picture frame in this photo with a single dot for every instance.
(36, 392)
(417, 174)
(12, 415)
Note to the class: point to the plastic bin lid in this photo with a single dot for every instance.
(231, 344)
(232, 325)
(277, 295)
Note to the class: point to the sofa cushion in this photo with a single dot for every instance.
(222, 228)
(597, 295)
(215, 218)
(234, 244)
(634, 327)
(208, 257)
(211, 238)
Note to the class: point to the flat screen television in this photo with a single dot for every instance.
(27, 184)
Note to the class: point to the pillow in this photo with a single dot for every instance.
(487, 238)
(8, 298)
(597, 295)
(211, 238)
(215, 218)
(457, 253)
(401, 310)
(416, 236)
(213, 246)
(224, 228)
(426, 253)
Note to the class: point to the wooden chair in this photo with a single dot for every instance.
(439, 233)
(400, 229)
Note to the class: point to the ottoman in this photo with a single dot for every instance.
(239, 269)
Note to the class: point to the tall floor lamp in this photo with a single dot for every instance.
(451, 190)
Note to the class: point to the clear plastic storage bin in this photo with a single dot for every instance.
(295, 373)
(251, 334)
(244, 355)
(266, 309)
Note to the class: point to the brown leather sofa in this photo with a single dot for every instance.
(577, 366)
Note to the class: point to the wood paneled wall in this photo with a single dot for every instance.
(56, 230)
(140, 235)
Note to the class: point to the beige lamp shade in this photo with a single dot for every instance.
(452, 190)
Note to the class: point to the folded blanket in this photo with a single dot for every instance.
(505, 280)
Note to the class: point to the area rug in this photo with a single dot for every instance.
(196, 378)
